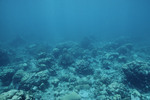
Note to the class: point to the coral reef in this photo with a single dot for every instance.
(6, 76)
(30, 81)
(66, 60)
(16, 95)
(138, 73)
(89, 70)
(83, 67)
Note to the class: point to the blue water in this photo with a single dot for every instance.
(75, 49)
(73, 19)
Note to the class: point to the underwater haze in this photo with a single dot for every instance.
(74, 49)
(73, 19)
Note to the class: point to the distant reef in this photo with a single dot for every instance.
(86, 70)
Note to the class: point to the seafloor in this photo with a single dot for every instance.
(87, 70)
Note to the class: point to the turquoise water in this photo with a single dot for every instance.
(67, 19)
(74, 49)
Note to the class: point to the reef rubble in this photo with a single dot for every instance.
(75, 71)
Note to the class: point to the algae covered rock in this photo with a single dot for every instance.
(45, 63)
(118, 90)
(6, 76)
(16, 95)
(83, 68)
(18, 76)
(138, 73)
(28, 81)
(66, 59)
(135, 95)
